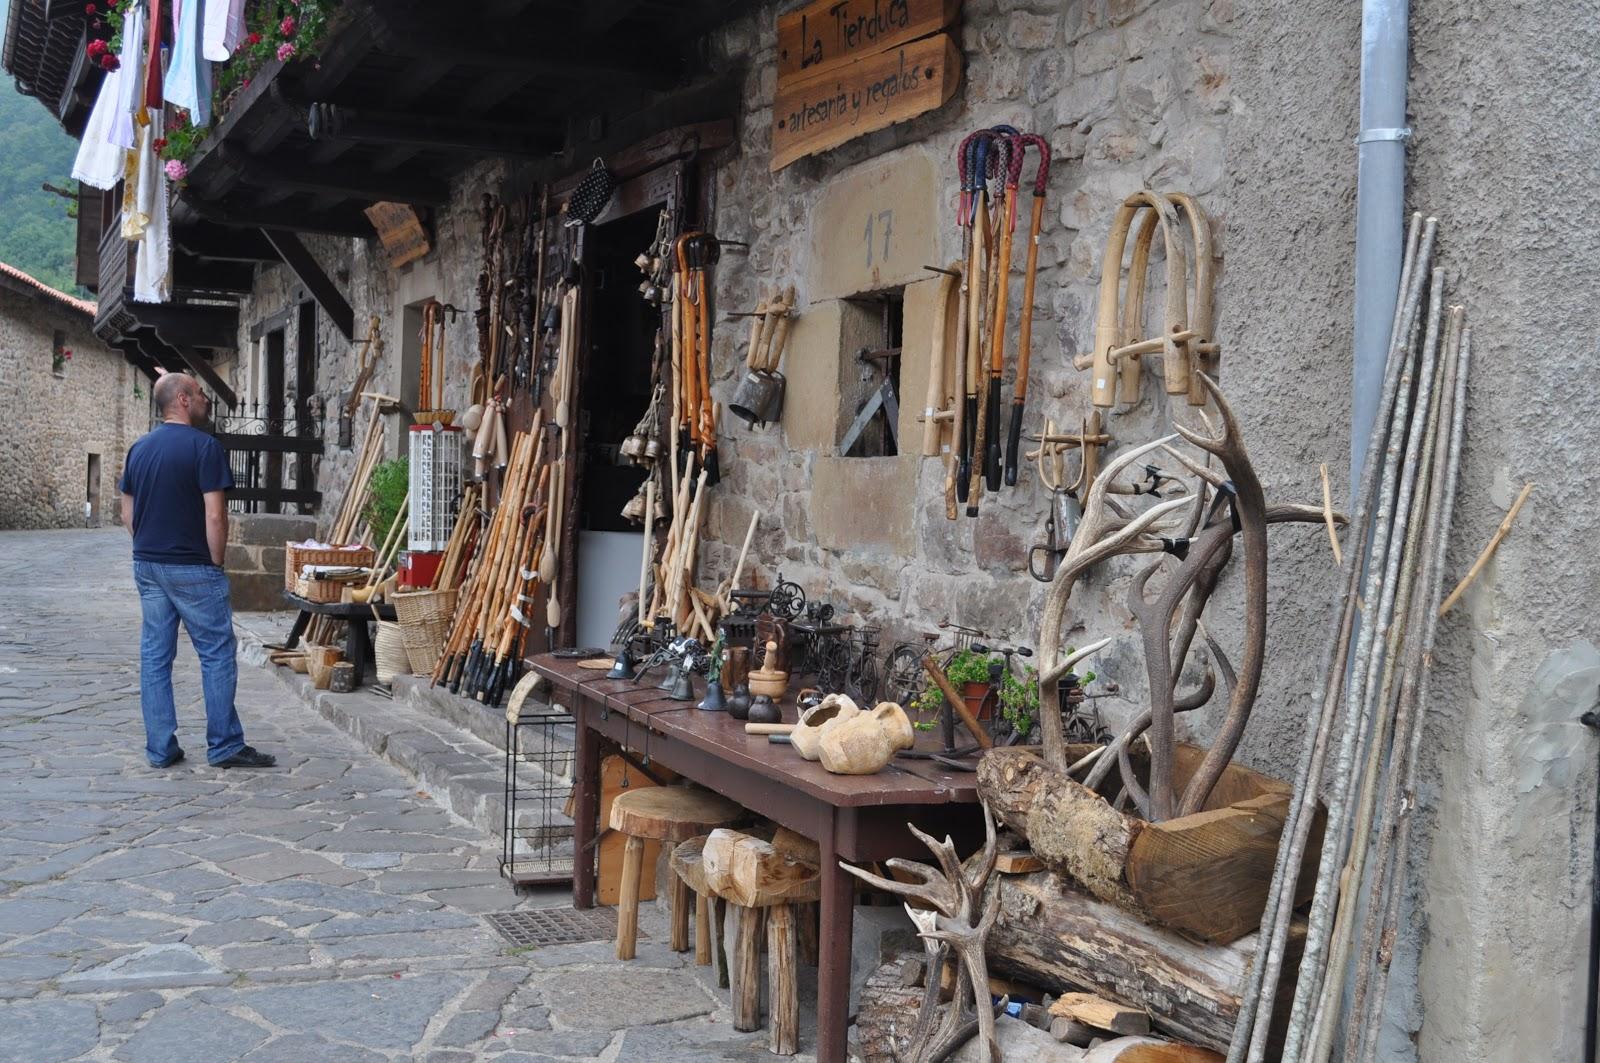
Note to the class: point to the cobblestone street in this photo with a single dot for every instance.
(327, 909)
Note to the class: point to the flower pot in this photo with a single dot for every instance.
(976, 695)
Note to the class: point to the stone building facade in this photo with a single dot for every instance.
(1253, 109)
(64, 432)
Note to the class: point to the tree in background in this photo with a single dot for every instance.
(37, 233)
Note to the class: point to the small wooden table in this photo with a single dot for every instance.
(860, 818)
(357, 641)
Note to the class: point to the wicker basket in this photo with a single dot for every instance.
(389, 652)
(425, 622)
(318, 590)
(296, 557)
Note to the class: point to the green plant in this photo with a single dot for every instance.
(284, 30)
(1019, 698)
(388, 486)
(964, 667)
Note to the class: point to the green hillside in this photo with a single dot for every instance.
(36, 235)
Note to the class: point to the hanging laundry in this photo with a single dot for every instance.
(153, 69)
(100, 162)
(152, 272)
(223, 28)
(189, 75)
(130, 80)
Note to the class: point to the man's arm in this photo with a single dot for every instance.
(216, 525)
(127, 512)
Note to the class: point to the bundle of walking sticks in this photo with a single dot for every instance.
(507, 567)
(978, 461)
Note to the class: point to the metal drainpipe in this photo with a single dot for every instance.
(1380, 208)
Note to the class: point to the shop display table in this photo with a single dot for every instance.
(357, 640)
(859, 818)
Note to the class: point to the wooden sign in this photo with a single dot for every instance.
(824, 110)
(828, 33)
(401, 230)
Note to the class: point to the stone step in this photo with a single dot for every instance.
(416, 730)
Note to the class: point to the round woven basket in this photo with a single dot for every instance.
(425, 623)
(389, 652)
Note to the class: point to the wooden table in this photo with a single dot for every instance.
(859, 818)
(357, 641)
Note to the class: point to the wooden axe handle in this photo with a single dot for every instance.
(956, 701)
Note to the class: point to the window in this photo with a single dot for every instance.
(869, 373)
(60, 353)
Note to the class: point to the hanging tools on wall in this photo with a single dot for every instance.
(982, 460)
(1186, 343)
(366, 362)
(1065, 498)
(759, 396)
(695, 412)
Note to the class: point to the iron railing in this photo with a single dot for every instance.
(258, 439)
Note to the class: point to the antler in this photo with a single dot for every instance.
(951, 921)
(1250, 507)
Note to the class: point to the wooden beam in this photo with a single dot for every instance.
(701, 111)
(321, 287)
(208, 240)
(357, 182)
(191, 274)
(202, 368)
(328, 121)
(189, 325)
(500, 46)
(341, 222)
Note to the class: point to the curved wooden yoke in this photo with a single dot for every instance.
(1185, 341)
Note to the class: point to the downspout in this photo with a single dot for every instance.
(1380, 208)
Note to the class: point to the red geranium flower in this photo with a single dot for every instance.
(286, 27)
(159, 143)
(89, 9)
(97, 49)
(109, 62)
(254, 38)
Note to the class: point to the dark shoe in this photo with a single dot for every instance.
(177, 758)
(248, 757)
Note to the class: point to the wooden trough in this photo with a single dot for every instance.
(1205, 875)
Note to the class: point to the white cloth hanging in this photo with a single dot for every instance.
(131, 83)
(223, 28)
(188, 81)
(152, 272)
(100, 163)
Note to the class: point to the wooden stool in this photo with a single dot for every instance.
(664, 814)
(688, 869)
(759, 879)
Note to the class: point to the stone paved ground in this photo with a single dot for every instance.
(326, 910)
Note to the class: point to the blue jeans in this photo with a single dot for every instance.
(197, 595)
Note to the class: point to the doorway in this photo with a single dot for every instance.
(620, 350)
(91, 503)
(275, 408)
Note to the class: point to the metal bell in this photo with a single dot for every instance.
(682, 689)
(670, 680)
(714, 700)
(622, 667)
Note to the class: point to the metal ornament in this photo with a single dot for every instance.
(622, 668)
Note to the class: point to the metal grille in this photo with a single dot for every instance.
(435, 485)
(537, 847)
(535, 927)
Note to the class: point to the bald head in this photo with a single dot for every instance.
(179, 398)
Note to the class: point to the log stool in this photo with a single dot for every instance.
(688, 870)
(664, 814)
(758, 879)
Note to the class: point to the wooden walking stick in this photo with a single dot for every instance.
(1007, 214)
(934, 405)
(973, 341)
(1025, 323)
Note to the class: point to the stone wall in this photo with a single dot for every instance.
(51, 423)
(1255, 114)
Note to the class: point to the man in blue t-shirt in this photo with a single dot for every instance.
(173, 503)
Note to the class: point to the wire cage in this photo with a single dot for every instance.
(537, 845)
(435, 484)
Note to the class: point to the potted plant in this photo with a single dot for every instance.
(389, 484)
(968, 672)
